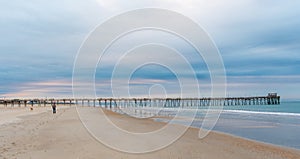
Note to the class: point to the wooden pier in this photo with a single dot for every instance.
(270, 99)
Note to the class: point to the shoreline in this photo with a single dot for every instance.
(229, 134)
(252, 140)
(280, 130)
(63, 136)
(157, 118)
(43, 109)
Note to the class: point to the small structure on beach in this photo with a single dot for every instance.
(272, 94)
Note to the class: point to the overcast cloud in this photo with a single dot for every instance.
(259, 42)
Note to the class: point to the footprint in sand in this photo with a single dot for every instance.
(4, 150)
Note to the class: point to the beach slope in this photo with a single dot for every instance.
(63, 136)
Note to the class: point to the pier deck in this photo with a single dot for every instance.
(270, 99)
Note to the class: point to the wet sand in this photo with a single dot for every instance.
(63, 136)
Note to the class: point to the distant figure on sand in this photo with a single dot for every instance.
(54, 108)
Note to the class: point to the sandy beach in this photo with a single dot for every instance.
(41, 134)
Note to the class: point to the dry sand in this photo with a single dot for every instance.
(62, 136)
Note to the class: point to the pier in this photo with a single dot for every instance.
(270, 99)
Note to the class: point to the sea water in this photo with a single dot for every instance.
(274, 124)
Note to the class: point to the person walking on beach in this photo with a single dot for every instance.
(54, 108)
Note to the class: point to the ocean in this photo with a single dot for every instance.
(273, 124)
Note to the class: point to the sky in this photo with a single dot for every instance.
(258, 40)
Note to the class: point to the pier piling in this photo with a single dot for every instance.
(270, 99)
